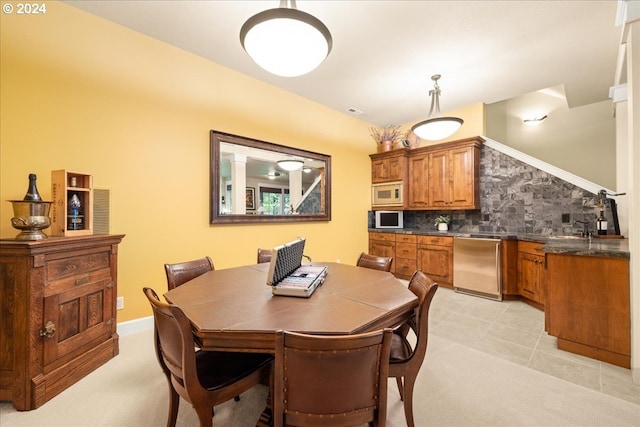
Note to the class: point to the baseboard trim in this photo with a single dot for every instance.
(135, 326)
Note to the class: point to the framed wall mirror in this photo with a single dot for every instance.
(254, 181)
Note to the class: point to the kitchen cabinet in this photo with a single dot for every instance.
(436, 177)
(454, 177)
(588, 306)
(383, 244)
(418, 181)
(405, 256)
(531, 272)
(58, 304)
(435, 258)
(389, 166)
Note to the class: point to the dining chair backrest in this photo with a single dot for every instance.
(406, 359)
(331, 380)
(181, 272)
(374, 262)
(202, 378)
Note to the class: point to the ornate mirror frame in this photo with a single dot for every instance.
(250, 154)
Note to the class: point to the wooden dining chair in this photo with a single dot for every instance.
(264, 255)
(406, 360)
(182, 272)
(331, 380)
(375, 262)
(202, 378)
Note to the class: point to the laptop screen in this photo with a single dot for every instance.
(284, 260)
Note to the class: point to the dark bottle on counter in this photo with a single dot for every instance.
(601, 224)
(75, 219)
(32, 192)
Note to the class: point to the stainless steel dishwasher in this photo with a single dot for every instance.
(476, 267)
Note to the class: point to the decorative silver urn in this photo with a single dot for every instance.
(30, 217)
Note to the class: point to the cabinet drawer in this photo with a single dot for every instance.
(435, 240)
(405, 267)
(531, 247)
(77, 265)
(78, 281)
(406, 250)
(406, 238)
(386, 237)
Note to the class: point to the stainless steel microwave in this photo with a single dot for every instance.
(387, 194)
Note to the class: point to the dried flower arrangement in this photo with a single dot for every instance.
(387, 133)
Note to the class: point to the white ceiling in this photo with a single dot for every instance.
(384, 52)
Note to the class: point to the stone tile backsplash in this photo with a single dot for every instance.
(520, 199)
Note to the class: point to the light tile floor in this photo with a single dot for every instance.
(514, 330)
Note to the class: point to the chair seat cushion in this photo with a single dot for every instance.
(218, 369)
(400, 349)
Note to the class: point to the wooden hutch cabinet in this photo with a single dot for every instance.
(58, 305)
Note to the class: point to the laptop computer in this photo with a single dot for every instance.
(287, 276)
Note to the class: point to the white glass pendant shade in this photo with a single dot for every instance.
(286, 42)
(290, 165)
(438, 128)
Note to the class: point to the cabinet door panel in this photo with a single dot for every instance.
(461, 175)
(529, 276)
(385, 249)
(80, 315)
(436, 262)
(438, 179)
(419, 182)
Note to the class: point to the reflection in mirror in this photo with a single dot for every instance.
(257, 181)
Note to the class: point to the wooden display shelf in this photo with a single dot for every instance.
(64, 185)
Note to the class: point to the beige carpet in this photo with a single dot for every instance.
(458, 386)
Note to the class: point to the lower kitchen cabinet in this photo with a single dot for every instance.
(588, 306)
(405, 257)
(435, 258)
(58, 304)
(531, 272)
(383, 244)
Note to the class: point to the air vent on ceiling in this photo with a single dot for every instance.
(354, 111)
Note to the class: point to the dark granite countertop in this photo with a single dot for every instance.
(570, 245)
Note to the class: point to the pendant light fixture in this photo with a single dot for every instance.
(291, 164)
(436, 127)
(286, 41)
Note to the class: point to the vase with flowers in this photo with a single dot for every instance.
(442, 222)
(386, 136)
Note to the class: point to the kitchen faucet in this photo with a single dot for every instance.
(585, 229)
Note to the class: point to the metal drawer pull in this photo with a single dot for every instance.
(49, 330)
(82, 281)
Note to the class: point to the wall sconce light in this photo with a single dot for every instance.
(286, 41)
(534, 121)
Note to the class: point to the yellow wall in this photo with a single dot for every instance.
(87, 95)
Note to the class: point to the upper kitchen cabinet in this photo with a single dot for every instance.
(454, 175)
(389, 166)
(442, 176)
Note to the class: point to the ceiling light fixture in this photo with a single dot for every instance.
(535, 121)
(286, 41)
(290, 165)
(436, 127)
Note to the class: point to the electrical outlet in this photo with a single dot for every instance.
(120, 303)
(566, 218)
